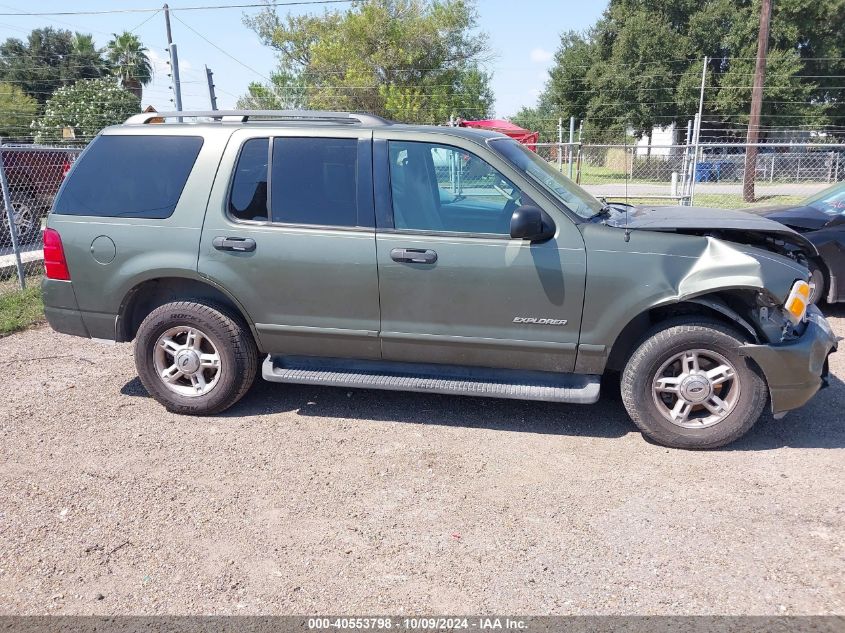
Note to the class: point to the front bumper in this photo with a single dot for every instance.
(796, 370)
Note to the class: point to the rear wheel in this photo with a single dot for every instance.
(195, 358)
(686, 385)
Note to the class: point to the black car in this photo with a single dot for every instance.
(821, 218)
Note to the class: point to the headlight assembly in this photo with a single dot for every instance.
(797, 301)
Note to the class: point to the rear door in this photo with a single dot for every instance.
(454, 287)
(289, 232)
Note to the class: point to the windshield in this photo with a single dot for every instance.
(830, 201)
(574, 197)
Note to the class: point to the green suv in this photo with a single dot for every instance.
(345, 250)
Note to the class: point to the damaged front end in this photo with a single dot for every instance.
(771, 293)
(754, 271)
(797, 368)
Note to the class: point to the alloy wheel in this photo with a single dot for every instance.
(187, 361)
(696, 388)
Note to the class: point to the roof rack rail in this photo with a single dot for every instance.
(241, 116)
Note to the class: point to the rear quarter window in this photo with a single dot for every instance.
(129, 176)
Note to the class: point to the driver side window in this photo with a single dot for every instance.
(443, 188)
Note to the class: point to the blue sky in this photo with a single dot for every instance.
(523, 37)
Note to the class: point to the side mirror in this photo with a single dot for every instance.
(528, 223)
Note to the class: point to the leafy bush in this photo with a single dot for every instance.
(86, 107)
(17, 109)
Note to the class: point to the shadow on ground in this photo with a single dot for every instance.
(836, 310)
(816, 425)
(606, 419)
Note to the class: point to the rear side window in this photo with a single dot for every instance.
(248, 197)
(314, 181)
(130, 176)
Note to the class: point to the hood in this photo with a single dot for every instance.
(734, 225)
(800, 218)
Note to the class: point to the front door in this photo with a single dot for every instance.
(454, 287)
(289, 232)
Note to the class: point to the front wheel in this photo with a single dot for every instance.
(687, 386)
(195, 358)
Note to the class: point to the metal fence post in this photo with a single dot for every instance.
(578, 163)
(10, 218)
(685, 185)
(560, 144)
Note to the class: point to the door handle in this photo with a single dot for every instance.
(237, 244)
(413, 255)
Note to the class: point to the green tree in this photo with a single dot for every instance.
(86, 107)
(85, 52)
(129, 62)
(48, 60)
(410, 60)
(17, 110)
(538, 119)
(568, 89)
(640, 65)
(284, 92)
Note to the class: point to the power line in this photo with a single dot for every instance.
(229, 55)
(145, 21)
(75, 26)
(250, 5)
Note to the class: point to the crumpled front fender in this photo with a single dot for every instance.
(726, 265)
(654, 269)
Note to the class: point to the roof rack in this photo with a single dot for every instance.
(241, 116)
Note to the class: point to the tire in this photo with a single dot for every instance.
(28, 220)
(818, 279)
(699, 345)
(187, 335)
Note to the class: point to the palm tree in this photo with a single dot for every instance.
(129, 61)
(83, 44)
(85, 58)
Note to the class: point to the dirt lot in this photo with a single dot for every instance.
(304, 500)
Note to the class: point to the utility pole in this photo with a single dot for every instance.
(211, 96)
(174, 62)
(697, 130)
(756, 103)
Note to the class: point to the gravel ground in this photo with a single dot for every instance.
(309, 500)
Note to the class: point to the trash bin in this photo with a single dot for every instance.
(704, 172)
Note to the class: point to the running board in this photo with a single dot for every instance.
(431, 378)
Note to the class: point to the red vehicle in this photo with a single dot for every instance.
(526, 137)
(34, 175)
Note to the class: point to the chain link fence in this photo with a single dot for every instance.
(30, 176)
(709, 175)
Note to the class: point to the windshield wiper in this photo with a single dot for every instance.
(604, 212)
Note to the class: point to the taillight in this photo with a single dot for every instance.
(65, 168)
(55, 264)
